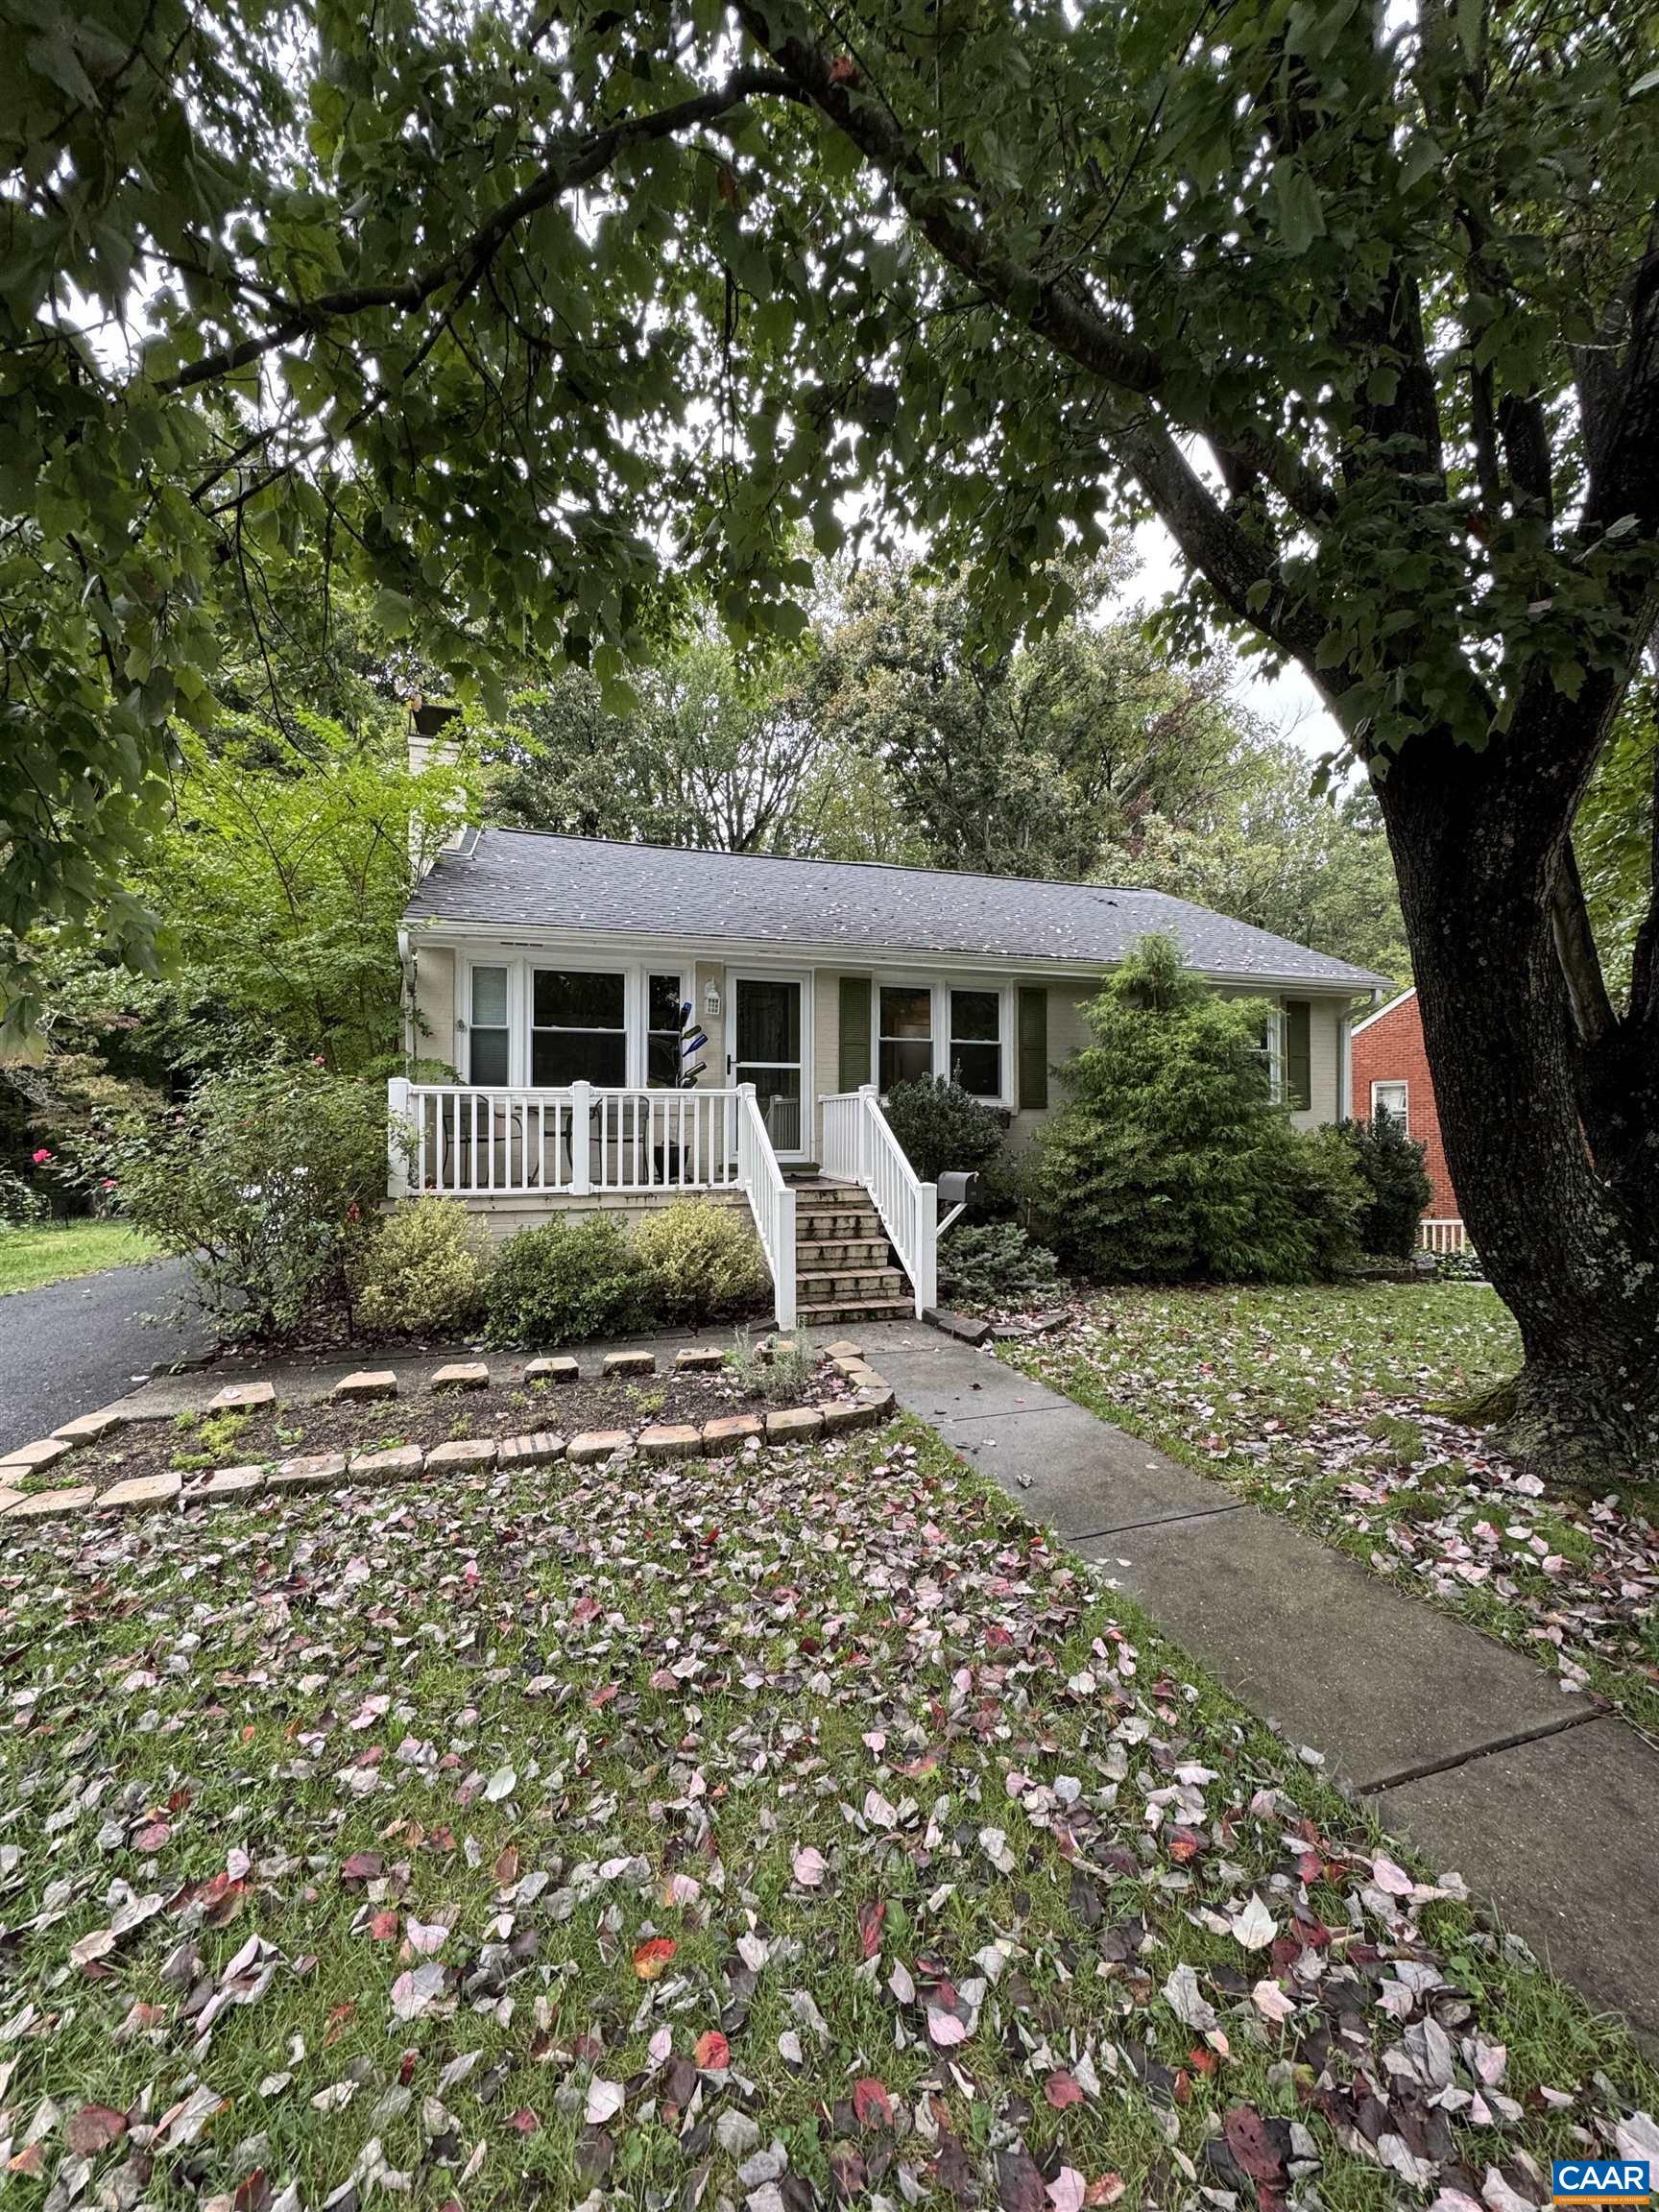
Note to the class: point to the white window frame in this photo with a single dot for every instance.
(522, 966)
(682, 995)
(998, 1097)
(629, 1011)
(463, 1056)
(1394, 1083)
(939, 990)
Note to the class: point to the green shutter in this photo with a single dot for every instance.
(1298, 1054)
(1033, 1048)
(854, 1062)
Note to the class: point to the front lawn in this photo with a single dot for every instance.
(711, 1833)
(1323, 1404)
(30, 1257)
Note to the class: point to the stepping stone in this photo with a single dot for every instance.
(596, 1444)
(366, 1383)
(793, 1425)
(630, 1364)
(674, 1440)
(463, 1452)
(50, 1504)
(227, 1486)
(699, 1360)
(529, 1451)
(842, 1349)
(727, 1432)
(88, 1428)
(561, 1368)
(140, 1494)
(9, 1499)
(243, 1398)
(30, 1459)
(462, 1374)
(385, 1466)
(312, 1472)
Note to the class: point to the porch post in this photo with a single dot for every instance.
(927, 1274)
(397, 1137)
(580, 1141)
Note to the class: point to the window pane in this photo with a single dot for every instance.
(664, 1003)
(768, 1024)
(979, 1068)
(487, 1064)
(490, 998)
(662, 1060)
(906, 1013)
(576, 1001)
(560, 1056)
(906, 1061)
(975, 1016)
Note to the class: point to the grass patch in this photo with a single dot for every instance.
(1334, 1406)
(704, 1830)
(32, 1257)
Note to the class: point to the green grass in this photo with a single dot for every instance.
(1338, 1407)
(547, 1719)
(32, 1257)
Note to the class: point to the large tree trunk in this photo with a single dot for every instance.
(1550, 1132)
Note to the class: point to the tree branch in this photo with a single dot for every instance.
(1593, 1014)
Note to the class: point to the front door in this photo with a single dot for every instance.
(768, 1048)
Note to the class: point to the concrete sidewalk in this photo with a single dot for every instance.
(1546, 1805)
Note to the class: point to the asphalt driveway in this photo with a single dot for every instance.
(71, 1346)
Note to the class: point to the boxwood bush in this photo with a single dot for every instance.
(425, 1270)
(701, 1262)
(569, 1280)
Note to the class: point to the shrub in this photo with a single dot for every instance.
(1168, 1159)
(424, 1269)
(1397, 1183)
(1465, 1266)
(940, 1127)
(782, 1371)
(565, 1280)
(995, 1263)
(266, 1181)
(21, 1205)
(700, 1260)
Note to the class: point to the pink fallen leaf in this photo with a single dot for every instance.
(871, 2106)
(1061, 2089)
(944, 2029)
(1067, 2190)
(810, 1867)
(93, 2129)
(1390, 1877)
(712, 2050)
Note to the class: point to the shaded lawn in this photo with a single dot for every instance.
(1332, 1405)
(768, 1833)
(32, 1257)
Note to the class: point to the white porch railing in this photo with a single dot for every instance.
(1441, 1235)
(458, 1141)
(860, 1147)
(771, 1201)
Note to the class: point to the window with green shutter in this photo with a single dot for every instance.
(1298, 1054)
(1033, 1048)
(855, 1057)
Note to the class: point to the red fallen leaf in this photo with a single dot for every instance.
(406, 2066)
(383, 1926)
(1018, 2185)
(31, 2162)
(179, 1801)
(93, 2129)
(1248, 2140)
(362, 1867)
(1202, 2062)
(651, 1957)
(1183, 1845)
(338, 2015)
(151, 1836)
(712, 2050)
(525, 2122)
(1182, 2089)
(602, 1697)
(1061, 2089)
(507, 1865)
(1105, 2191)
(846, 2173)
(870, 1919)
(586, 1609)
(253, 2193)
(871, 2106)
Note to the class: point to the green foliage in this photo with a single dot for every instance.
(23, 1205)
(991, 1264)
(1167, 1159)
(701, 1262)
(1613, 835)
(1396, 1181)
(564, 1282)
(267, 1181)
(780, 1370)
(425, 1270)
(940, 1126)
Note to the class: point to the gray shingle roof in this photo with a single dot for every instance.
(514, 878)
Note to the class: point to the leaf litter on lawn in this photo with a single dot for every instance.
(769, 1833)
(1321, 1404)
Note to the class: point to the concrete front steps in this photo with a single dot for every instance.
(845, 1270)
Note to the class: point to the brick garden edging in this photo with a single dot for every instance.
(718, 1438)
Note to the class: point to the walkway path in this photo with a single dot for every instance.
(71, 1346)
(1546, 1804)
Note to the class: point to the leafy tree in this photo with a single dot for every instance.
(536, 320)
(711, 753)
(1168, 1160)
(1613, 838)
(1026, 761)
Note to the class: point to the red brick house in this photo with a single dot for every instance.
(1391, 1071)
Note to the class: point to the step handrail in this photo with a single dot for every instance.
(860, 1147)
(771, 1201)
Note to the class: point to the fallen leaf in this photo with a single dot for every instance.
(651, 1957)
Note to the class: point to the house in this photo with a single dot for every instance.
(1391, 1074)
(548, 975)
